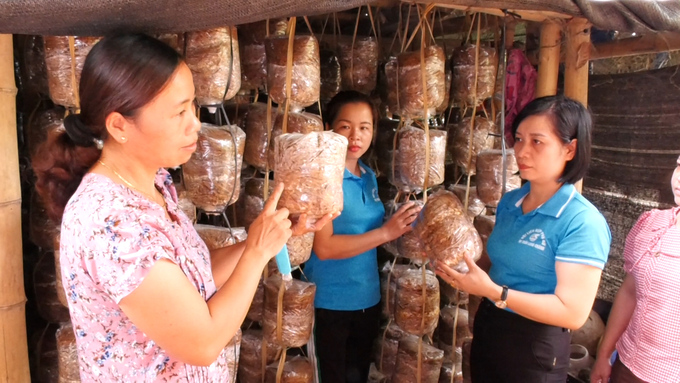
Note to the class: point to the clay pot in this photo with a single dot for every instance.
(579, 359)
(590, 333)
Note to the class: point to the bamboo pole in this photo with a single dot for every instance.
(654, 42)
(576, 64)
(13, 344)
(549, 58)
(526, 15)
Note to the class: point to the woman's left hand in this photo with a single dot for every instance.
(475, 281)
(301, 227)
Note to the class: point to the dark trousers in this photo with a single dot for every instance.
(621, 374)
(342, 343)
(509, 348)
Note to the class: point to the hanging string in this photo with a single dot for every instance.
(389, 313)
(282, 363)
(455, 327)
(496, 40)
(309, 26)
(504, 63)
(408, 21)
(74, 82)
(474, 113)
(323, 29)
(265, 192)
(351, 50)
(376, 32)
(279, 329)
(336, 26)
(423, 76)
(469, 34)
(219, 116)
(398, 32)
(289, 72)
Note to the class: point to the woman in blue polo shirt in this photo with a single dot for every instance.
(344, 263)
(546, 252)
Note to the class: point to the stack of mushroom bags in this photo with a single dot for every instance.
(428, 323)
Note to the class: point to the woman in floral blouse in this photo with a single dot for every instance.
(148, 301)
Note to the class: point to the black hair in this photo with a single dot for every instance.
(121, 73)
(347, 97)
(571, 120)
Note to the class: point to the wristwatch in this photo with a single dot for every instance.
(502, 303)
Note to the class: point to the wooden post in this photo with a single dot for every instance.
(576, 64)
(510, 27)
(13, 344)
(549, 58)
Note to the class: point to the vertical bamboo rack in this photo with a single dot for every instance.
(549, 58)
(576, 64)
(576, 61)
(13, 344)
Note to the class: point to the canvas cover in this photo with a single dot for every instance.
(99, 17)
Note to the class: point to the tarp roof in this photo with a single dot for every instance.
(98, 17)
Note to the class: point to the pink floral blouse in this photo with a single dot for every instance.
(111, 236)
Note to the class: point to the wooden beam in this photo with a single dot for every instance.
(655, 42)
(649, 43)
(13, 343)
(526, 15)
(576, 64)
(549, 58)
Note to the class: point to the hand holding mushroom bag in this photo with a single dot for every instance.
(546, 252)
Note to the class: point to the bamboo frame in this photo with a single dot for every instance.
(651, 43)
(576, 64)
(527, 15)
(13, 343)
(549, 58)
(632, 46)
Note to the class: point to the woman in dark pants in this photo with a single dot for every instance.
(344, 263)
(546, 252)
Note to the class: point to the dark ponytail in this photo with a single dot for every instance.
(121, 74)
(59, 165)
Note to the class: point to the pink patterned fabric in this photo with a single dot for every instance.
(650, 345)
(520, 87)
(111, 236)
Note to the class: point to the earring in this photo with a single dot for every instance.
(123, 139)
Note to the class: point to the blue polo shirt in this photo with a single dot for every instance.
(523, 248)
(352, 283)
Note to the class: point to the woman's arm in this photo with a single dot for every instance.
(619, 317)
(569, 307)
(224, 261)
(336, 246)
(169, 309)
(572, 302)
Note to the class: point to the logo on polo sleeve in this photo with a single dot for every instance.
(534, 238)
(376, 197)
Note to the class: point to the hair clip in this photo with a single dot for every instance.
(98, 143)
